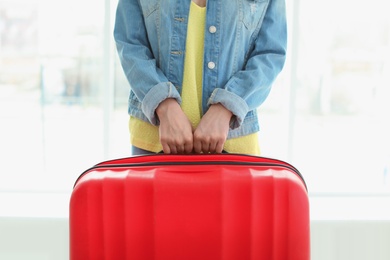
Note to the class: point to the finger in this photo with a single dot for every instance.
(197, 147)
(212, 147)
(173, 149)
(166, 149)
(219, 147)
(188, 148)
(205, 147)
(180, 148)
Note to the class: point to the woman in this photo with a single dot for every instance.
(198, 71)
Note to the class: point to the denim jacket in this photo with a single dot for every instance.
(244, 51)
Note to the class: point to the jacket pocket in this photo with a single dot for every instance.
(253, 12)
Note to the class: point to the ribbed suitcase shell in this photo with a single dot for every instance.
(203, 207)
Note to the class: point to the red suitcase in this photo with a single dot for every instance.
(202, 207)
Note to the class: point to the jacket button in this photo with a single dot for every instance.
(211, 65)
(212, 29)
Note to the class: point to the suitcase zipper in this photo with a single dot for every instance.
(178, 163)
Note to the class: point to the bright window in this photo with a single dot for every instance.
(63, 95)
(56, 117)
(343, 102)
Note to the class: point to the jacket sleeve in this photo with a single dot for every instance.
(249, 87)
(147, 81)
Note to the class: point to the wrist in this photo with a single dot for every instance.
(223, 111)
(163, 108)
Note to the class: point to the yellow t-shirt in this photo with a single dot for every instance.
(146, 136)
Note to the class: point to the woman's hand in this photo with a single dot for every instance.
(212, 131)
(175, 129)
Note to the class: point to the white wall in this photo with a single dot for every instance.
(350, 240)
(34, 239)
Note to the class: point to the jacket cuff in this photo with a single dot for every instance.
(233, 103)
(155, 96)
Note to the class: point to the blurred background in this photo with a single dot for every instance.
(63, 108)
